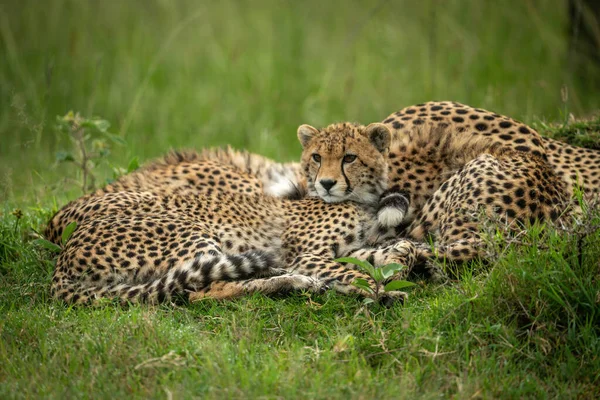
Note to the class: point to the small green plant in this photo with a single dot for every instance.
(54, 248)
(92, 143)
(379, 275)
(18, 214)
(134, 164)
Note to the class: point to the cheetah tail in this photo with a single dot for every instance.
(393, 207)
(190, 276)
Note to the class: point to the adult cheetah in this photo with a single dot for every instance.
(188, 172)
(152, 246)
(431, 141)
(457, 163)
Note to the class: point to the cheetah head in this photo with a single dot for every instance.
(345, 161)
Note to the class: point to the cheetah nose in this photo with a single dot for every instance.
(327, 183)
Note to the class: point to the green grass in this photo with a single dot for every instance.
(195, 74)
(584, 133)
(528, 327)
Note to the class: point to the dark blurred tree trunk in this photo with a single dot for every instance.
(584, 43)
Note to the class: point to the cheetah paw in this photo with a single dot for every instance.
(403, 247)
(304, 282)
(404, 253)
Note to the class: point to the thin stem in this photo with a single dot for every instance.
(16, 226)
(84, 157)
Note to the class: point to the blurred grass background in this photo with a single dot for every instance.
(197, 73)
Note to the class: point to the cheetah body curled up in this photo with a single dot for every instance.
(457, 163)
(152, 247)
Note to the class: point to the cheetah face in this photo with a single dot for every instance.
(345, 161)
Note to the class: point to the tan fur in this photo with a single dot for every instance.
(210, 241)
(188, 172)
(458, 163)
(324, 155)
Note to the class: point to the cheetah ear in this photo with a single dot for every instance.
(306, 133)
(379, 135)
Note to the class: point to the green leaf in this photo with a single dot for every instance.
(68, 117)
(104, 153)
(133, 164)
(99, 144)
(368, 300)
(48, 245)
(116, 139)
(101, 125)
(377, 274)
(391, 269)
(64, 156)
(117, 173)
(68, 232)
(365, 265)
(363, 284)
(397, 285)
(63, 125)
(50, 265)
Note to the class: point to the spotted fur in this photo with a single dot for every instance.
(166, 242)
(345, 161)
(431, 141)
(459, 163)
(190, 172)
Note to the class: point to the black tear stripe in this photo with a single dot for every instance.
(399, 199)
(348, 188)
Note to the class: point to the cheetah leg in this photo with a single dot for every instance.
(505, 190)
(272, 285)
(339, 277)
(311, 273)
(402, 252)
(458, 251)
(461, 245)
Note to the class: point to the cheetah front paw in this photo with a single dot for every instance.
(402, 252)
(304, 282)
(404, 248)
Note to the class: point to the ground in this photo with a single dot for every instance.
(535, 333)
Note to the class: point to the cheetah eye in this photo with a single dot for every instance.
(348, 158)
(316, 157)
